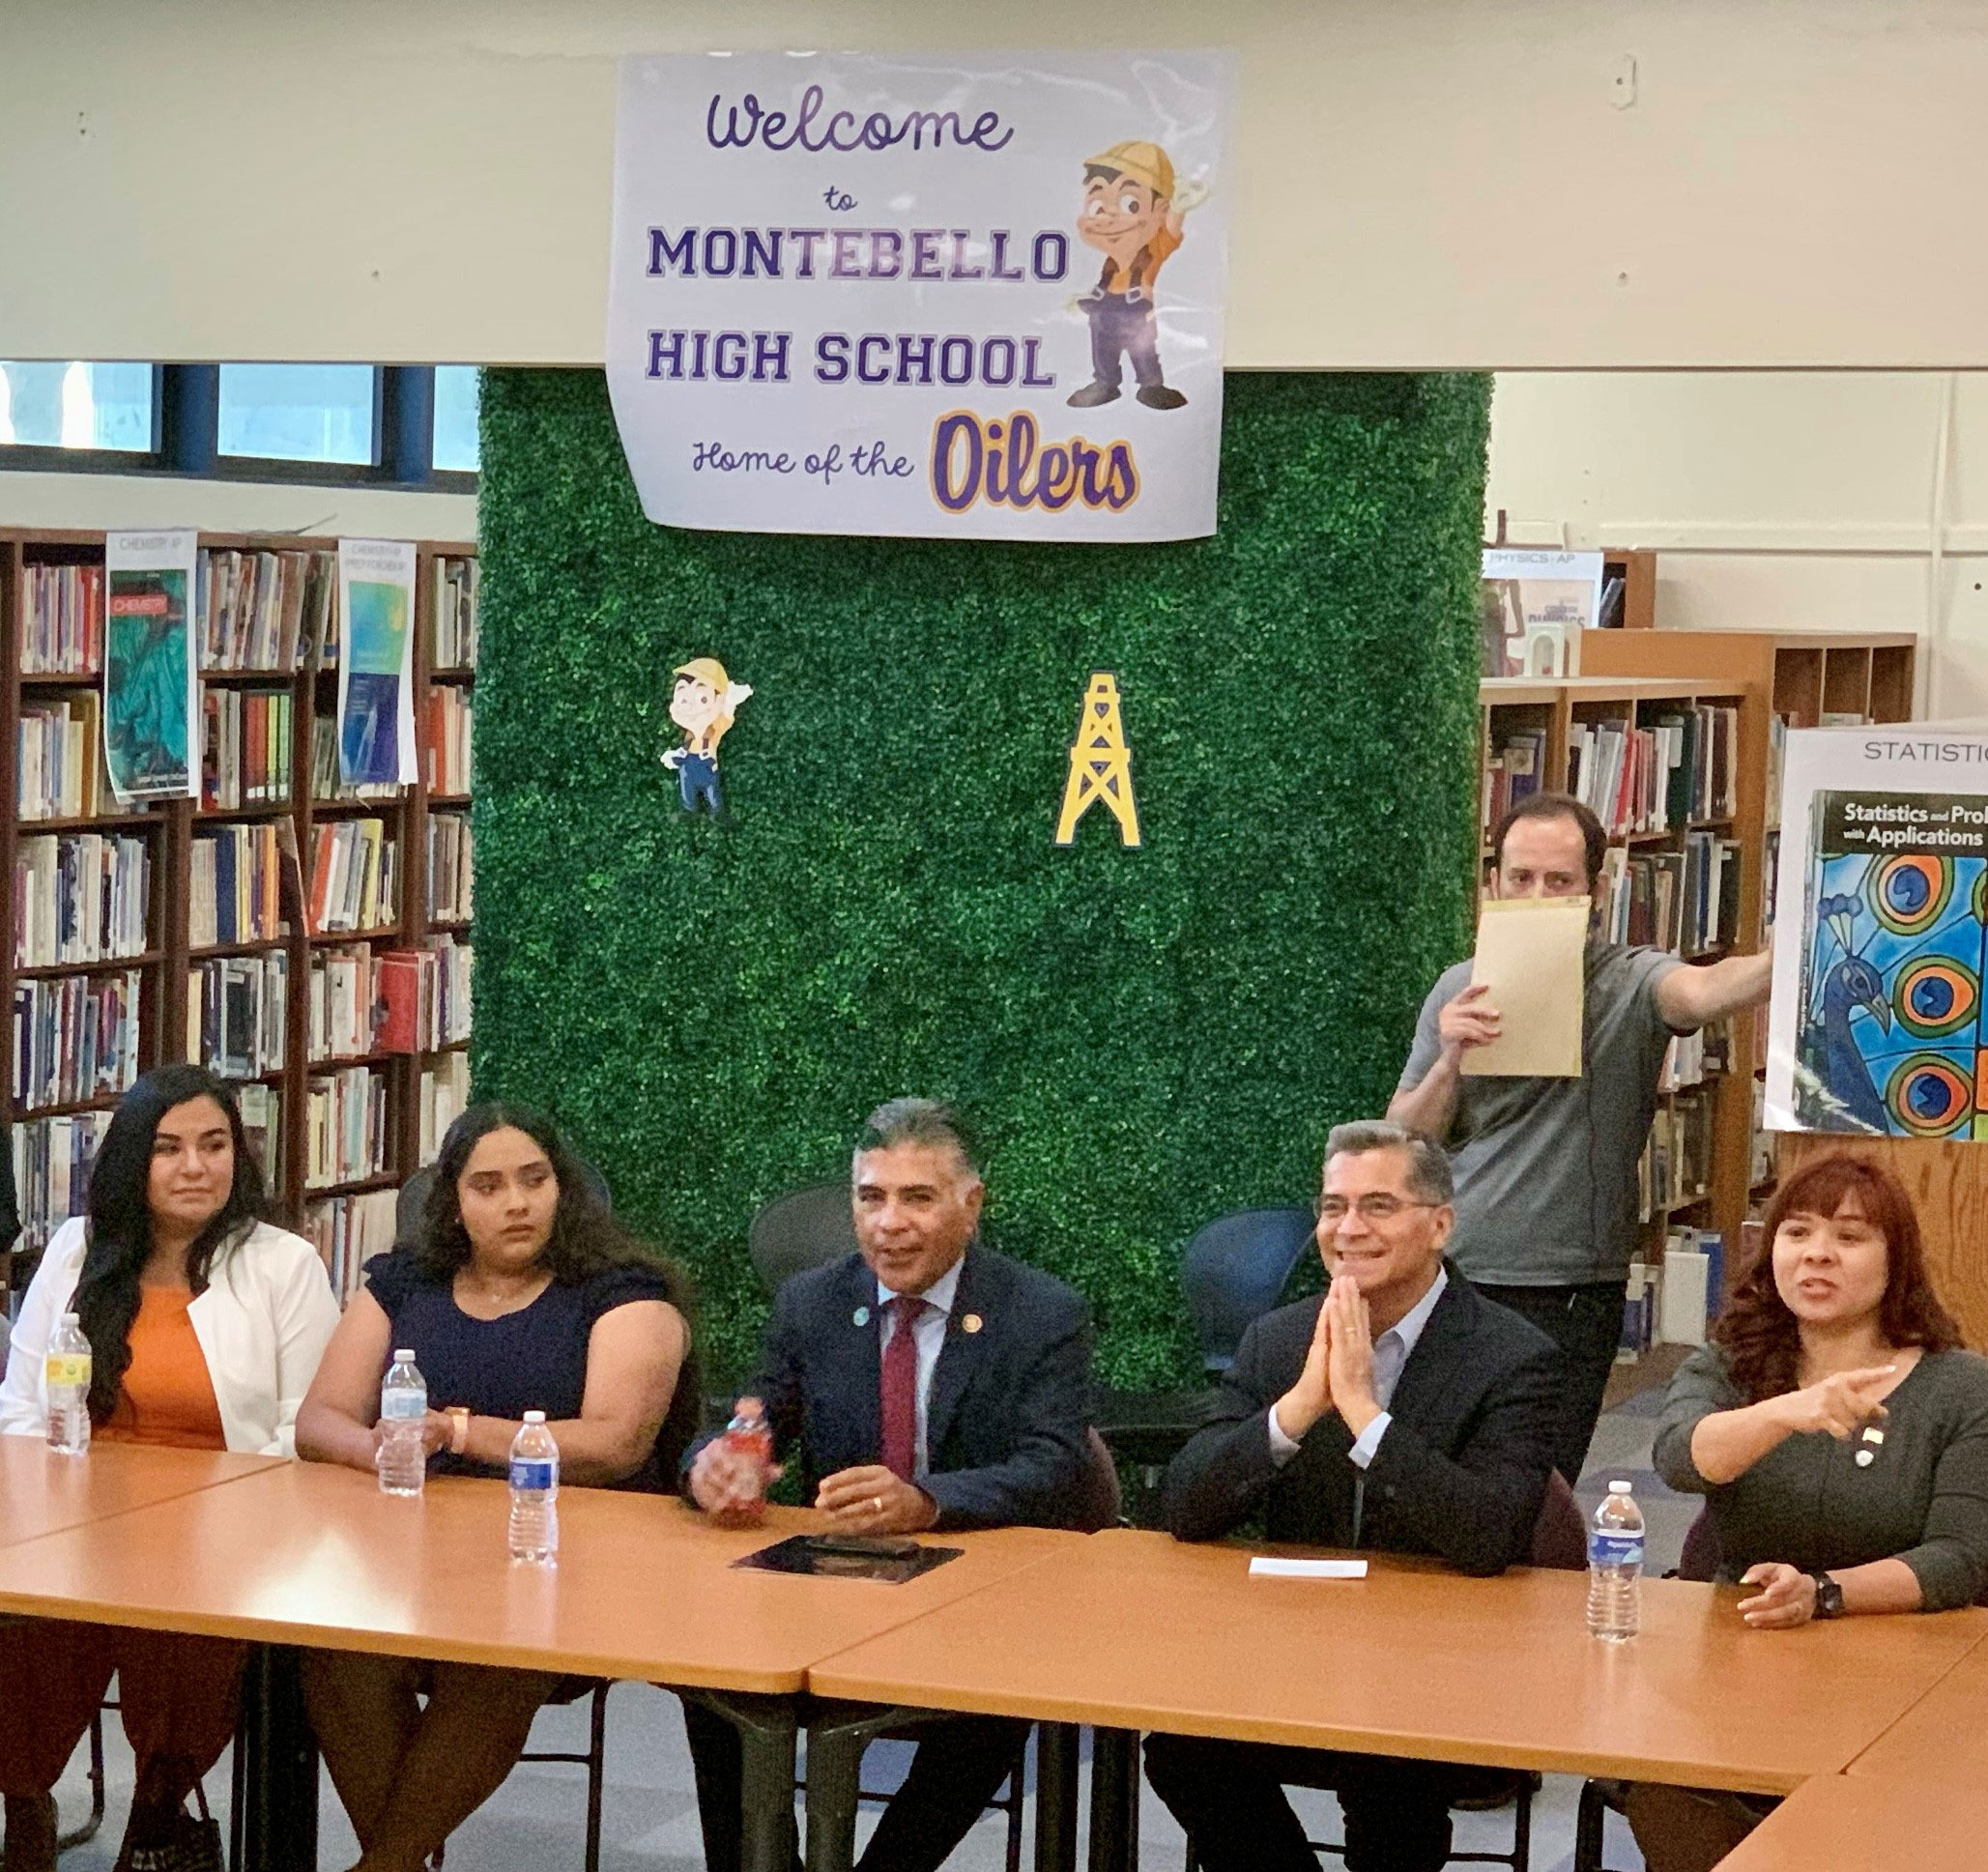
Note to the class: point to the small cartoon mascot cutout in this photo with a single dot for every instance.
(703, 704)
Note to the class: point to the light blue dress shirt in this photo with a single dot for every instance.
(931, 1334)
(1390, 1352)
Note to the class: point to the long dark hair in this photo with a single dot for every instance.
(119, 1229)
(1763, 1339)
(585, 1240)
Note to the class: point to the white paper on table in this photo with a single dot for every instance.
(1264, 1567)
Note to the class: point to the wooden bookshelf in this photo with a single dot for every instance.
(1556, 713)
(168, 960)
(1800, 676)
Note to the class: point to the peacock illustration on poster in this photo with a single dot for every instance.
(1891, 1038)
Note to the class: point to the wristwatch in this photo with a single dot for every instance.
(1829, 1596)
(459, 1431)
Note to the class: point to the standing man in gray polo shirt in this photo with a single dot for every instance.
(1545, 1168)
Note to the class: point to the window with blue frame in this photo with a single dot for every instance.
(301, 413)
(77, 405)
(457, 448)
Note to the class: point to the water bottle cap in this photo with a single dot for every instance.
(70, 1319)
(534, 1417)
(403, 1355)
(1618, 1488)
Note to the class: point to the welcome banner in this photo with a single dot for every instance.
(952, 297)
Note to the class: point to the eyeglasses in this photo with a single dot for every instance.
(1373, 1208)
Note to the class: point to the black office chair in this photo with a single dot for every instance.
(1560, 1540)
(413, 1193)
(802, 1229)
(594, 1760)
(1234, 1271)
(82, 1835)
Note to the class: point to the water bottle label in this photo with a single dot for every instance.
(69, 1368)
(1615, 1549)
(538, 1473)
(403, 1407)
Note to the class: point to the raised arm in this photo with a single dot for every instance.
(1687, 997)
(1707, 1439)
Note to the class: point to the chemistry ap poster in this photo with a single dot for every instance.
(956, 297)
(1880, 933)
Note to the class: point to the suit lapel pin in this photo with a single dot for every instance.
(973, 1323)
(860, 1317)
(1865, 1457)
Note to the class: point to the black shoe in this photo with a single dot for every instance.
(1093, 393)
(1158, 396)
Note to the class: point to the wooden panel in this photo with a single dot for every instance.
(1894, 682)
(1840, 1823)
(645, 1587)
(1139, 1631)
(1949, 1183)
(1847, 681)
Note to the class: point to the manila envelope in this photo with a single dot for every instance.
(1531, 956)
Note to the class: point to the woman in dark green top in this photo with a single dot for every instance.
(1839, 1436)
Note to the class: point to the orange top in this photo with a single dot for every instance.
(167, 1394)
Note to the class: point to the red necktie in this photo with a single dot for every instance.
(900, 1390)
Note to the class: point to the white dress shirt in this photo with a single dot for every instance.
(930, 1332)
(1390, 1352)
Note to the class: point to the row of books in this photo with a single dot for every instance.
(1676, 1165)
(425, 996)
(1692, 1059)
(61, 620)
(76, 1038)
(1765, 1162)
(1687, 901)
(80, 897)
(237, 1009)
(445, 1092)
(446, 754)
(1672, 1301)
(347, 1231)
(244, 748)
(235, 883)
(354, 881)
(268, 611)
(457, 622)
(345, 1126)
(59, 758)
(1511, 771)
(1679, 768)
(52, 1158)
(344, 1004)
(451, 869)
(325, 783)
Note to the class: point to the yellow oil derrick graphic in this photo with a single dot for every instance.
(1100, 764)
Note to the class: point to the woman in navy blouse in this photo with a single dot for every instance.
(519, 1292)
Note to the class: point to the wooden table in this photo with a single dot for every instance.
(1134, 1632)
(1850, 1823)
(42, 1492)
(307, 1555)
(1946, 1728)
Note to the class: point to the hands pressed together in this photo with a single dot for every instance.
(1338, 1369)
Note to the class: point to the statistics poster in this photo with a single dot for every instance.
(150, 688)
(963, 296)
(1881, 923)
(376, 663)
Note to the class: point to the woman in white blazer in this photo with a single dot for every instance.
(205, 1326)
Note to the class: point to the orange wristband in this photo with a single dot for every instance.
(460, 1434)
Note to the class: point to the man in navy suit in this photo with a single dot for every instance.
(1401, 1411)
(925, 1382)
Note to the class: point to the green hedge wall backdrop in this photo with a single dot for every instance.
(1146, 1038)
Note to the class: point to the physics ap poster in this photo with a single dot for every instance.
(945, 296)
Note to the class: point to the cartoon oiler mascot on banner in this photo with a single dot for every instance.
(702, 706)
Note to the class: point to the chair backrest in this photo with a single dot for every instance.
(1234, 1271)
(413, 1193)
(1700, 1557)
(1560, 1536)
(805, 1228)
(1102, 1502)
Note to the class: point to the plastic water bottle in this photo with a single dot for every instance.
(69, 1388)
(403, 1458)
(534, 1533)
(1615, 1565)
(751, 1437)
